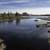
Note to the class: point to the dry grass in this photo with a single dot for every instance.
(2, 45)
(48, 17)
(48, 39)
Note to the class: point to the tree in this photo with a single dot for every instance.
(17, 14)
(9, 15)
(25, 14)
(3, 15)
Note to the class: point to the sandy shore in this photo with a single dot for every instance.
(2, 45)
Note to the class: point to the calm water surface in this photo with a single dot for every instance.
(23, 26)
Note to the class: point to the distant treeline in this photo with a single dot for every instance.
(16, 15)
(12, 15)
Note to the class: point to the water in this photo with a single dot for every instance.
(24, 32)
(23, 26)
(41, 17)
(12, 25)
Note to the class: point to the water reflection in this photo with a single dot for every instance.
(17, 21)
(2, 21)
(24, 29)
(10, 21)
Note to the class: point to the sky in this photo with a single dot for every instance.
(29, 6)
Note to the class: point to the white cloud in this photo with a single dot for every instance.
(44, 10)
(35, 10)
(17, 1)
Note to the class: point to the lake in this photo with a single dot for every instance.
(23, 26)
(5, 25)
(24, 33)
(40, 17)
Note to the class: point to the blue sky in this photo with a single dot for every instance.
(38, 6)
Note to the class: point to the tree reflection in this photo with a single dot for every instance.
(10, 21)
(17, 20)
(18, 17)
(0, 21)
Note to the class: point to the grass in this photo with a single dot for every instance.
(49, 39)
(48, 17)
(49, 31)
